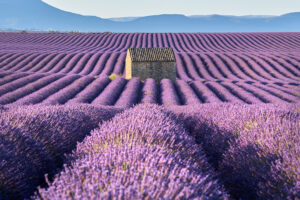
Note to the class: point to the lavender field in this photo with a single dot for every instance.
(228, 128)
(60, 68)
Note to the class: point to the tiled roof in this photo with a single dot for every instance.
(152, 54)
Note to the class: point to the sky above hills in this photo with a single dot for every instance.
(125, 8)
(36, 15)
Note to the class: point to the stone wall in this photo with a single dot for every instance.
(155, 70)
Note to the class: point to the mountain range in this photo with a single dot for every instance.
(36, 15)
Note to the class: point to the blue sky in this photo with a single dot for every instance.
(125, 8)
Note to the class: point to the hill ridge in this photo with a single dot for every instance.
(37, 15)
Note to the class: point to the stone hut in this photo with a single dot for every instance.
(156, 63)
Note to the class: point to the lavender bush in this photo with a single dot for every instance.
(3, 108)
(13, 85)
(149, 91)
(143, 153)
(34, 139)
(91, 91)
(130, 94)
(254, 147)
(39, 95)
(111, 93)
(169, 95)
(28, 89)
(68, 92)
(23, 162)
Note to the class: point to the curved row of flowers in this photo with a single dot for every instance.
(142, 153)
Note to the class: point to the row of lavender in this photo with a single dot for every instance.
(180, 42)
(143, 153)
(190, 66)
(149, 152)
(52, 89)
(34, 139)
(254, 148)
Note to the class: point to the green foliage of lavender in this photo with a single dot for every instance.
(255, 148)
(143, 153)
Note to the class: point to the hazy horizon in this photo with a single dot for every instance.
(39, 15)
(139, 8)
